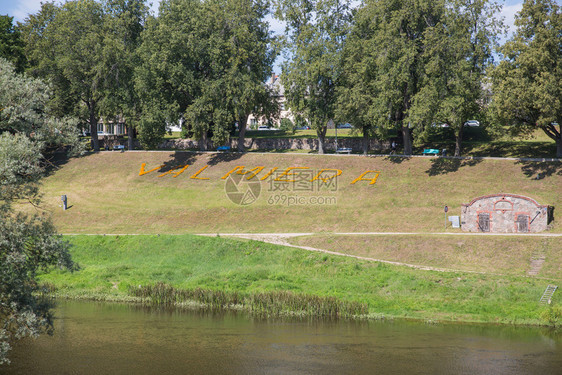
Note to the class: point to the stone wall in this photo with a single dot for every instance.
(356, 144)
(504, 213)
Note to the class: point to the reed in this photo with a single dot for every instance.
(280, 303)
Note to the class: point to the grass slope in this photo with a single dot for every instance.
(107, 195)
(110, 264)
(500, 255)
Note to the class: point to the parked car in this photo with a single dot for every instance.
(306, 127)
(263, 127)
(472, 123)
(345, 126)
(440, 125)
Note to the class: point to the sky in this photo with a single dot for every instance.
(19, 9)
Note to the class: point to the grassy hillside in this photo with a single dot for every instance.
(497, 255)
(107, 195)
(111, 264)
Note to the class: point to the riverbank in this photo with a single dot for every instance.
(112, 265)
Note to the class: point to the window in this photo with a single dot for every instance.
(100, 127)
(120, 129)
(110, 129)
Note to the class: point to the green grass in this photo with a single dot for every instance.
(479, 142)
(111, 265)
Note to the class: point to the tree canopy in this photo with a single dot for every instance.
(384, 66)
(204, 64)
(86, 50)
(409, 64)
(527, 84)
(11, 44)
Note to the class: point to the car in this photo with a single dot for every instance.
(306, 127)
(440, 125)
(472, 123)
(263, 127)
(345, 126)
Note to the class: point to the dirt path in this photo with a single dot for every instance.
(282, 239)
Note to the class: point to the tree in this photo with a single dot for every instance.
(11, 44)
(316, 31)
(40, 53)
(167, 75)
(251, 62)
(527, 84)
(385, 65)
(124, 22)
(86, 50)
(27, 243)
(68, 45)
(204, 65)
(457, 51)
(357, 90)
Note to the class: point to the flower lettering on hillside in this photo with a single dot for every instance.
(288, 179)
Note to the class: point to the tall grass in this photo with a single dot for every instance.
(276, 303)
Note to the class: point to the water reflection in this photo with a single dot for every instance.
(93, 338)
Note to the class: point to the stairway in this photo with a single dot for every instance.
(548, 292)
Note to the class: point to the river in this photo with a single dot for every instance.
(105, 338)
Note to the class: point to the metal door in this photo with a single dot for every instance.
(522, 223)
(484, 222)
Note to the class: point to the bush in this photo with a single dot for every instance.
(287, 126)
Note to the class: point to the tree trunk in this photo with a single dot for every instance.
(242, 133)
(458, 141)
(203, 142)
(559, 148)
(365, 142)
(321, 133)
(407, 140)
(94, 130)
(130, 137)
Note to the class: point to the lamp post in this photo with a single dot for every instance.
(446, 209)
(336, 127)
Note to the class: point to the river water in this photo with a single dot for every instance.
(97, 338)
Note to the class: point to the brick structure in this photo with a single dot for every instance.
(504, 213)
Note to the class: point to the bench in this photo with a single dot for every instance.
(119, 147)
(343, 149)
(430, 151)
(223, 148)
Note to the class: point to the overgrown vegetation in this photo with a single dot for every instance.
(269, 304)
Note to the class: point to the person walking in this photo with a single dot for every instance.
(393, 146)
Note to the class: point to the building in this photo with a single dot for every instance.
(504, 213)
(112, 127)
